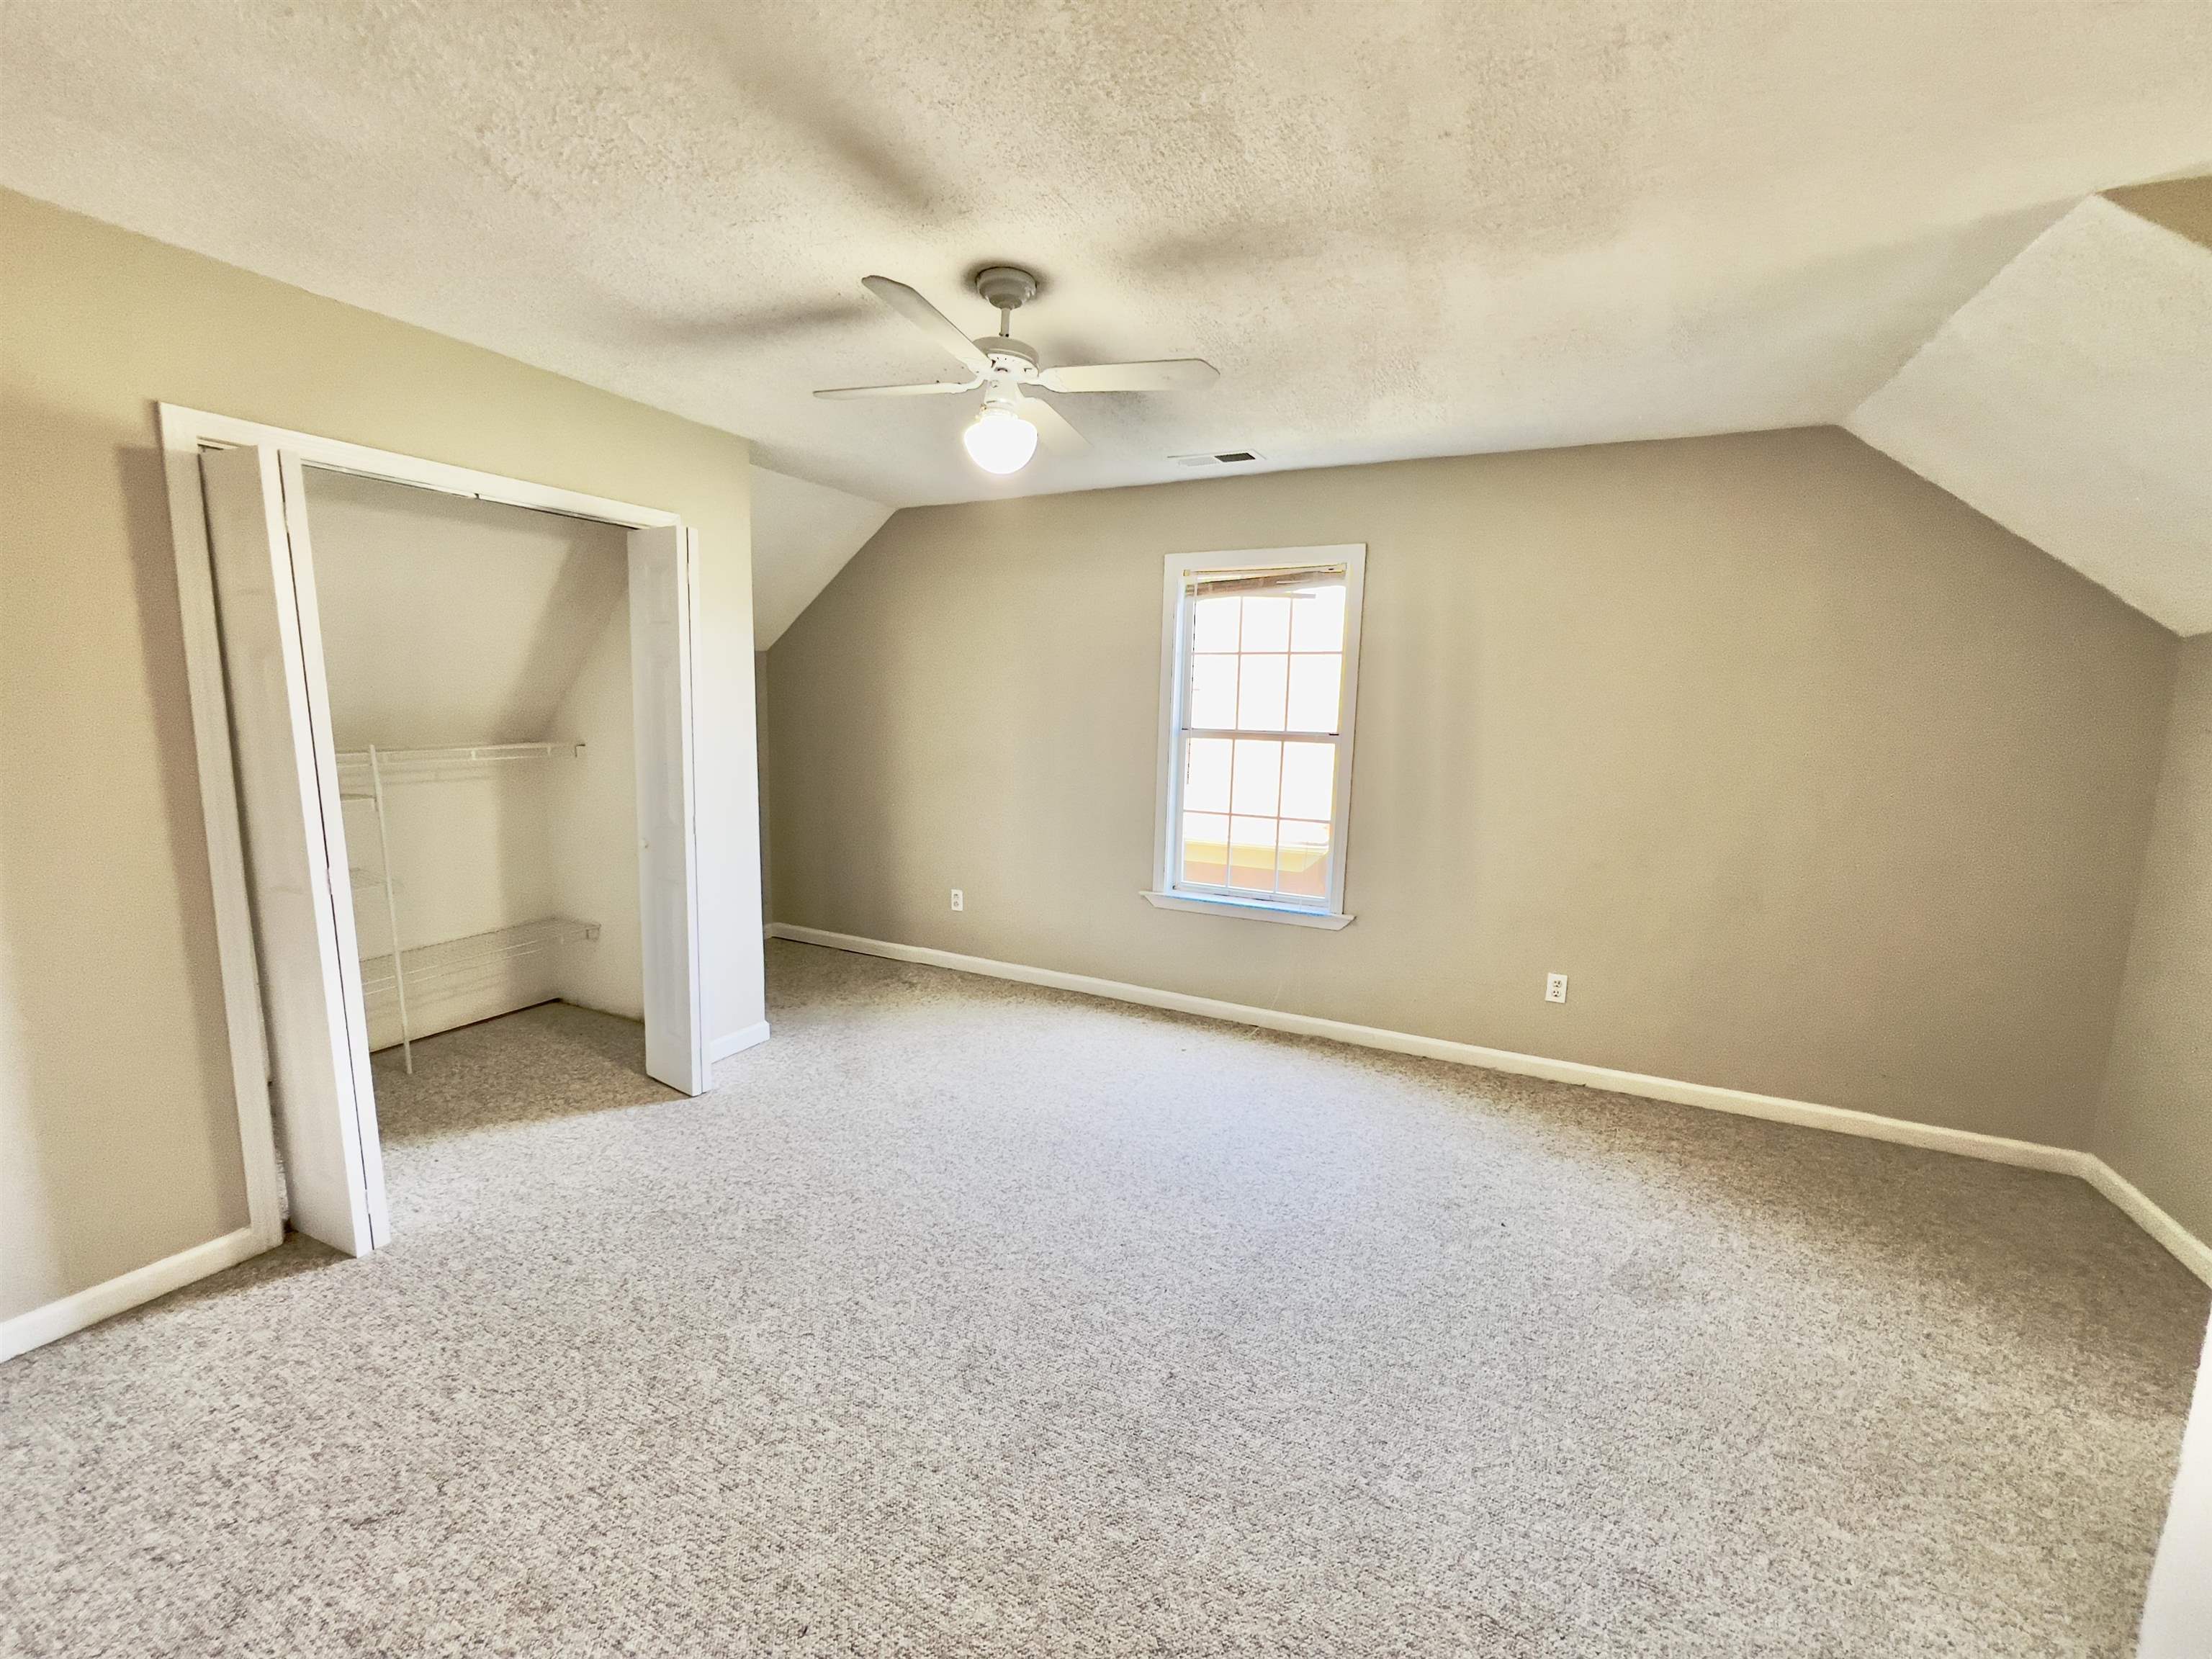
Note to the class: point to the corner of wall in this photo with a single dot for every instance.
(2152, 1121)
(761, 770)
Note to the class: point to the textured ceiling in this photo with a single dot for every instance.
(1399, 229)
(2071, 401)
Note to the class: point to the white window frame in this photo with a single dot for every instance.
(1175, 633)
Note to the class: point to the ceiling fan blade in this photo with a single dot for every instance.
(917, 389)
(1053, 430)
(1168, 375)
(929, 320)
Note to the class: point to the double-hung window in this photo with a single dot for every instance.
(1259, 661)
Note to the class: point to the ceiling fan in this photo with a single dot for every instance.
(1006, 430)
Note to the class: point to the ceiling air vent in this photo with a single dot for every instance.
(1224, 457)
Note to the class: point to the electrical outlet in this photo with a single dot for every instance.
(1555, 985)
(959, 899)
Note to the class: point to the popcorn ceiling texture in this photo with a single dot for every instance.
(968, 1318)
(1399, 229)
(2071, 401)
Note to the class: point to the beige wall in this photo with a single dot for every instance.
(594, 827)
(760, 716)
(119, 1142)
(2155, 1123)
(1814, 782)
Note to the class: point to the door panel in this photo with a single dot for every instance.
(662, 570)
(294, 840)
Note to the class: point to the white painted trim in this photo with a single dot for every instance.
(1248, 909)
(2191, 1252)
(1167, 804)
(664, 598)
(240, 967)
(104, 1301)
(190, 430)
(738, 1042)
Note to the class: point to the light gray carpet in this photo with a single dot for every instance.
(969, 1319)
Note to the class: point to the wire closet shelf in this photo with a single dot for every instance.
(385, 978)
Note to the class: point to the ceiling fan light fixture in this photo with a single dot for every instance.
(1005, 436)
(1000, 441)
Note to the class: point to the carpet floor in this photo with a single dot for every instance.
(965, 1318)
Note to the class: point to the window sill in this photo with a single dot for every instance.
(1248, 910)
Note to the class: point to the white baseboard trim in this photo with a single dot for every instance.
(126, 1290)
(737, 1043)
(88, 1307)
(2190, 1251)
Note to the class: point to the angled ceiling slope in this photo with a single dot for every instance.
(522, 598)
(803, 535)
(2070, 400)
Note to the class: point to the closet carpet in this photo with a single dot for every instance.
(965, 1318)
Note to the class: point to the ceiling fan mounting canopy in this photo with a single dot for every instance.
(1005, 288)
(1006, 369)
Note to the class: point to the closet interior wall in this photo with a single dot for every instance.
(481, 654)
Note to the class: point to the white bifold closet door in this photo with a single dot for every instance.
(663, 598)
(298, 872)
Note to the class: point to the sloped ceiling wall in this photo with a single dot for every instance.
(1399, 230)
(803, 534)
(447, 621)
(2070, 400)
(2183, 205)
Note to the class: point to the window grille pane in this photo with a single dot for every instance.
(1308, 781)
(1259, 772)
(1213, 624)
(1260, 692)
(1315, 681)
(1212, 692)
(1317, 620)
(1252, 855)
(1304, 862)
(1267, 625)
(1206, 848)
(1205, 776)
(1253, 808)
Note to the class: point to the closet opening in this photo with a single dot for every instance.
(476, 657)
(447, 764)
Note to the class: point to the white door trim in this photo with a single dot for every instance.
(183, 433)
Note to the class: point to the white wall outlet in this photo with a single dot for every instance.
(1555, 985)
(959, 899)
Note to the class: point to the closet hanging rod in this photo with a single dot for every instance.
(466, 754)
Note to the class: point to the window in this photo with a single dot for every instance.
(1260, 662)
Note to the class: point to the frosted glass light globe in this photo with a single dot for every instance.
(1000, 441)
